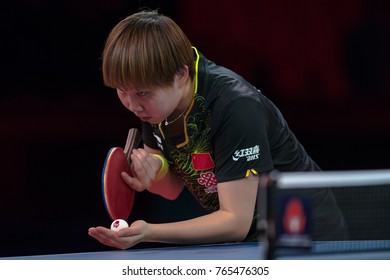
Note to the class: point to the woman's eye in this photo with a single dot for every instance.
(142, 93)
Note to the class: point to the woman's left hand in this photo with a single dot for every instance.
(122, 239)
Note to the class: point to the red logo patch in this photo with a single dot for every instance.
(202, 161)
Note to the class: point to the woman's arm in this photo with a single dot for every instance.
(230, 223)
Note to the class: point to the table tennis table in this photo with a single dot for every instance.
(320, 250)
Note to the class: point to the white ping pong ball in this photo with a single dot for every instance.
(118, 224)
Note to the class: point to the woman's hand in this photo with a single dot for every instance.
(122, 239)
(145, 168)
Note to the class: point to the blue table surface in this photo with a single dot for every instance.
(362, 249)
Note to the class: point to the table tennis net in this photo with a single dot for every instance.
(363, 199)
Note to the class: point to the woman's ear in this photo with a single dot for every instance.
(183, 75)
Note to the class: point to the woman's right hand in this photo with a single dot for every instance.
(145, 168)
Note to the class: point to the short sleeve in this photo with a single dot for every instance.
(240, 140)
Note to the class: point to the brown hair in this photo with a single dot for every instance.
(145, 50)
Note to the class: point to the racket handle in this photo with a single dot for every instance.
(132, 142)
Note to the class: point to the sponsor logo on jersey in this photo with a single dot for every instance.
(209, 181)
(250, 154)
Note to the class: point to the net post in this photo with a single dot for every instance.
(266, 222)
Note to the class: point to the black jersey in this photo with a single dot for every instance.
(230, 130)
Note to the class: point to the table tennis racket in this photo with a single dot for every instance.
(117, 195)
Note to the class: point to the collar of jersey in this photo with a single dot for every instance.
(196, 69)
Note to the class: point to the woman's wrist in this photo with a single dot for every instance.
(164, 167)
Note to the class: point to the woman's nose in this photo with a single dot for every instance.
(132, 104)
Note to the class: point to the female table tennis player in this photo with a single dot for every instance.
(214, 133)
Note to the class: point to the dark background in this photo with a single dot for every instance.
(325, 64)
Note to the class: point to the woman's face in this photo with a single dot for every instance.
(152, 105)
